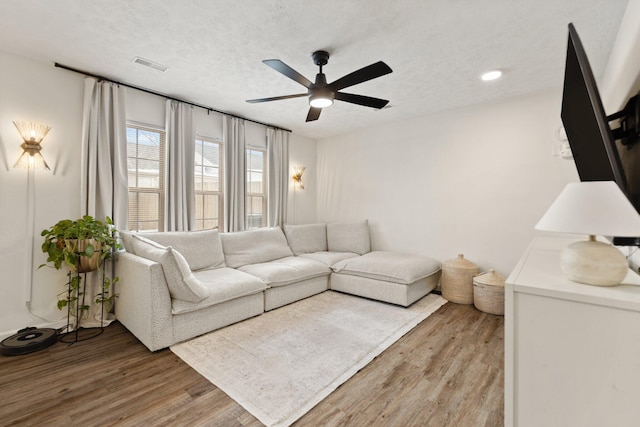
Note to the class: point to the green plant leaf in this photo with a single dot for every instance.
(89, 250)
(60, 246)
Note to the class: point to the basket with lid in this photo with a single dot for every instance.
(457, 280)
(488, 292)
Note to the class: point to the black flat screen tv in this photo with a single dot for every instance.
(591, 139)
(592, 143)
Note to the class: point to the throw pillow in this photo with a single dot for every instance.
(201, 249)
(127, 241)
(181, 282)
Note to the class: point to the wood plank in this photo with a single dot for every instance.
(446, 371)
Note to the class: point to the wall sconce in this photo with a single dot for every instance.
(32, 134)
(297, 176)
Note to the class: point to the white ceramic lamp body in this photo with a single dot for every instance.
(593, 263)
(592, 208)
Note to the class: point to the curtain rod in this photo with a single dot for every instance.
(204, 107)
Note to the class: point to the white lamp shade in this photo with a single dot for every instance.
(594, 208)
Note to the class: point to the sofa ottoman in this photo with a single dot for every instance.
(393, 277)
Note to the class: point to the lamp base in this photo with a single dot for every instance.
(593, 263)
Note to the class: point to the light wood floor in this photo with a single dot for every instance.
(448, 371)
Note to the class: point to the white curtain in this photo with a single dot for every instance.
(179, 212)
(103, 181)
(278, 169)
(235, 171)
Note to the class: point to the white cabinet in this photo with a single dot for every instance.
(572, 351)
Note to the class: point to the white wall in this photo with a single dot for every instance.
(473, 180)
(37, 92)
(301, 207)
(621, 78)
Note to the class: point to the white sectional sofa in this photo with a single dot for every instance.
(177, 285)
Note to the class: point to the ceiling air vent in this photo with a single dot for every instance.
(150, 64)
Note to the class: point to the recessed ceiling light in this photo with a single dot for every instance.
(150, 64)
(491, 75)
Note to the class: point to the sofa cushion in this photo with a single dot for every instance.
(306, 238)
(181, 282)
(127, 241)
(286, 270)
(201, 249)
(223, 284)
(389, 266)
(329, 258)
(254, 246)
(349, 237)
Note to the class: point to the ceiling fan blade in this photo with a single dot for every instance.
(276, 98)
(367, 101)
(314, 114)
(362, 75)
(283, 68)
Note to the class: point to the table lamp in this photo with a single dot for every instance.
(592, 208)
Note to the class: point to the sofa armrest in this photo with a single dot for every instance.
(144, 303)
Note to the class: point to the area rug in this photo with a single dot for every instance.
(282, 363)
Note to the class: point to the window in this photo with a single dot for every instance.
(256, 205)
(145, 164)
(146, 170)
(208, 184)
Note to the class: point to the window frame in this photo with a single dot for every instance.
(220, 192)
(249, 194)
(160, 190)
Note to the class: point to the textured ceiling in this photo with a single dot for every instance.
(437, 49)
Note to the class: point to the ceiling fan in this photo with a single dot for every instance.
(322, 94)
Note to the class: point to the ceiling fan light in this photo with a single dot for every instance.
(320, 101)
(491, 75)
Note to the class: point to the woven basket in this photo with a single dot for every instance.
(488, 292)
(457, 280)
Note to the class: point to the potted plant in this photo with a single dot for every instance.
(81, 246)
